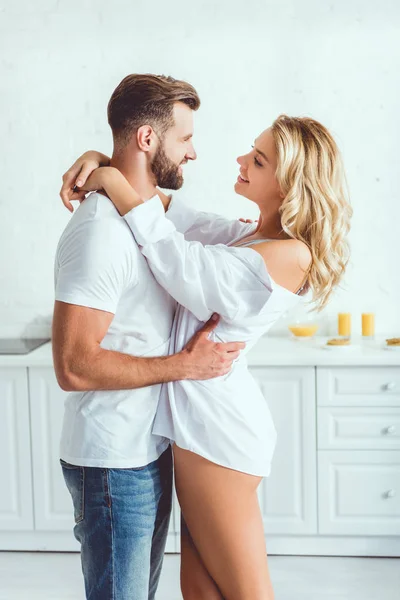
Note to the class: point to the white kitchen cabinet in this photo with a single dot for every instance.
(352, 428)
(358, 386)
(52, 502)
(359, 492)
(358, 451)
(334, 488)
(288, 497)
(174, 535)
(16, 510)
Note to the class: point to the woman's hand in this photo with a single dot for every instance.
(115, 186)
(77, 175)
(98, 180)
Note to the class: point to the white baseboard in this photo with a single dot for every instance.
(276, 544)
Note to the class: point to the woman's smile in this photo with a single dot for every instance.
(241, 179)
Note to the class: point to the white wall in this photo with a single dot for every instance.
(338, 62)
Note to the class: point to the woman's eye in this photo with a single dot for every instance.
(257, 162)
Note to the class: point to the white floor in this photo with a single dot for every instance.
(57, 576)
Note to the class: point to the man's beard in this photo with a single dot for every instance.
(165, 171)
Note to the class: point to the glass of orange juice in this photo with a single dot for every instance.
(344, 324)
(368, 325)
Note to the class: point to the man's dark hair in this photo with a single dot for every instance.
(145, 99)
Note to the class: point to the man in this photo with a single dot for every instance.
(111, 328)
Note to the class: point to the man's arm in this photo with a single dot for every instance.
(81, 364)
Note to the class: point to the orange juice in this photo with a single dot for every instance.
(368, 324)
(344, 324)
(303, 330)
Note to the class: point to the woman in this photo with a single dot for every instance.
(222, 432)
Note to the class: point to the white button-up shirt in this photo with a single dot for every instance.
(225, 419)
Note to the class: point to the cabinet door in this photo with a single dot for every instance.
(52, 502)
(288, 497)
(359, 492)
(15, 452)
(174, 534)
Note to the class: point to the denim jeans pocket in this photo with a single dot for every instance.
(74, 477)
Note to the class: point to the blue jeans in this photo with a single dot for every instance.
(121, 522)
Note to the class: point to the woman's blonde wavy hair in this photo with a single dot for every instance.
(315, 208)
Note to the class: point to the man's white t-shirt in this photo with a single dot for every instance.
(99, 265)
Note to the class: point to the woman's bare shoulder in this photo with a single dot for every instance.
(287, 261)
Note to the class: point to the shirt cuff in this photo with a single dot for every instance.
(181, 215)
(148, 223)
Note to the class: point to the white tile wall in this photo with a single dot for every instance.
(250, 61)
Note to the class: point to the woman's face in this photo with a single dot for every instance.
(257, 180)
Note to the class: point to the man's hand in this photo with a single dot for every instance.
(248, 220)
(205, 359)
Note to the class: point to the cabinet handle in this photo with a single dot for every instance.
(390, 494)
(389, 430)
(389, 386)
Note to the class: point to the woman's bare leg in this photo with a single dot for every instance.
(196, 582)
(221, 509)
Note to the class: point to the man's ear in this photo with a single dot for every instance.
(146, 138)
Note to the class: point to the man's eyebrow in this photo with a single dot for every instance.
(187, 137)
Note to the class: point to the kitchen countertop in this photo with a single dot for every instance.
(284, 351)
(270, 351)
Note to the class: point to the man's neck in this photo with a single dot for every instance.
(138, 178)
(135, 173)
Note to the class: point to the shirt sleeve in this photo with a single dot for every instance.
(230, 281)
(95, 264)
(204, 227)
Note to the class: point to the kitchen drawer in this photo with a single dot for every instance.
(363, 428)
(358, 386)
(359, 492)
